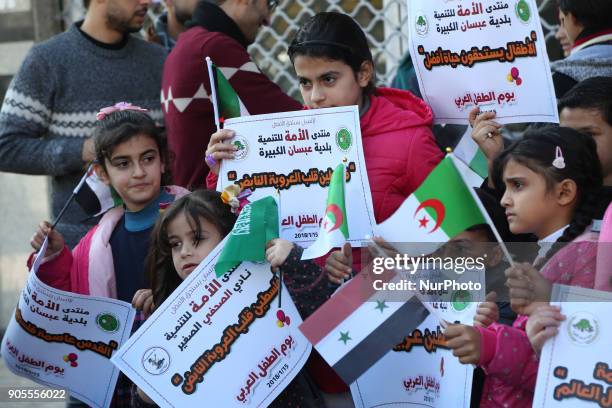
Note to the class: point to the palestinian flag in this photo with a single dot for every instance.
(356, 327)
(256, 225)
(442, 207)
(93, 196)
(468, 152)
(334, 229)
(227, 100)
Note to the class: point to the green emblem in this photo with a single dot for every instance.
(460, 300)
(344, 139)
(522, 11)
(381, 305)
(107, 322)
(584, 326)
(421, 26)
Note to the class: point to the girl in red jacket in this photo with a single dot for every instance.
(335, 68)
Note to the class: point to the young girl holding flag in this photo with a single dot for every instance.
(552, 180)
(132, 158)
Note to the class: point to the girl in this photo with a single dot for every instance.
(131, 158)
(335, 68)
(552, 178)
(183, 237)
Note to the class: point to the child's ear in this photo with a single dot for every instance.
(365, 74)
(101, 173)
(567, 192)
(494, 256)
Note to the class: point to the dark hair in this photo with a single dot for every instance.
(337, 37)
(536, 151)
(592, 14)
(159, 267)
(592, 93)
(119, 127)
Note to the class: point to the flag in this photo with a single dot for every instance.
(440, 208)
(468, 152)
(93, 196)
(256, 225)
(356, 327)
(228, 101)
(334, 228)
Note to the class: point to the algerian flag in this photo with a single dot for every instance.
(334, 229)
(256, 225)
(468, 152)
(442, 207)
(226, 101)
(93, 196)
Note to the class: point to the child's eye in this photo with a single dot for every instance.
(304, 83)
(121, 164)
(175, 244)
(517, 185)
(148, 158)
(329, 80)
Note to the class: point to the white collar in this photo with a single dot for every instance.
(547, 242)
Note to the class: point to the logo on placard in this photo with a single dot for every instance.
(242, 148)
(460, 300)
(344, 139)
(421, 26)
(156, 360)
(107, 322)
(583, 328)
(523, 12)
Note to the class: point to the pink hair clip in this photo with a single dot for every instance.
(120, 106)
(559, 161)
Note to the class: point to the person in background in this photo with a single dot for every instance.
(171, 23)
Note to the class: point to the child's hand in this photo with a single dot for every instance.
(486, 133)
(277, 251)
(143, 300)
(542, 325)
(339, 264)
(487, 312)
(464, 341)
(56, 240)
(526, 286)
(217, 150)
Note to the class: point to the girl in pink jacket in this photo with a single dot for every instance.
(552, 179)
(131, 157)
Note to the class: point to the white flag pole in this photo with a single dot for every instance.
(213, 92)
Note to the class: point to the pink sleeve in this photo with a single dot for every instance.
(507, 354)
(573, 265)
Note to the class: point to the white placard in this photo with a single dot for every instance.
(490, 54)
(576, 365)
(293, 154)
(221, 342)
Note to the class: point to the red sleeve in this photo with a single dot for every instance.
(211, 181)
(55, 272)
(424, 155)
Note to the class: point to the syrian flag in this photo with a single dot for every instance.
(356, 327)
(334, 229)
(93, 196)
(256, 225)
(225, 100)
(442, 207)
(468, 152)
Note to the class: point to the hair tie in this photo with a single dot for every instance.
(559, 161)
(118, 107)
(235, 198)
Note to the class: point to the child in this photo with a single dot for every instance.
(183, 237)
(552, 178)
(109, 261)
(335, 68)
